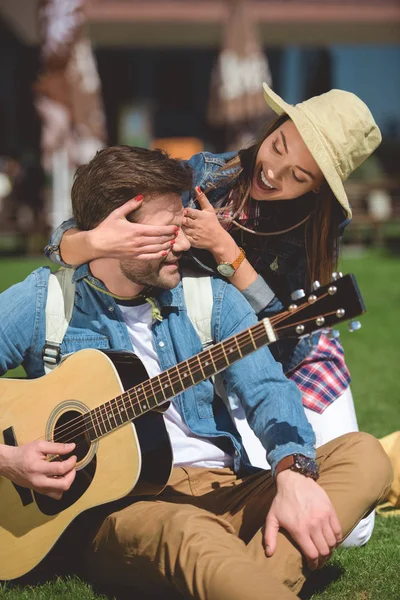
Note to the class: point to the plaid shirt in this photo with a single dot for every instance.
(323, 376)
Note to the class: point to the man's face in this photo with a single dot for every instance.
(164, 209)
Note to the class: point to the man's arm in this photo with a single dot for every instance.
(272, 403)
(20, 325)
(274, 410)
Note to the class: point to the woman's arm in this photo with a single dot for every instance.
(115, 237)
(204, 230)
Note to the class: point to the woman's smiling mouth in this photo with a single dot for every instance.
(262, 182)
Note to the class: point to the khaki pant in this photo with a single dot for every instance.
(202, 537)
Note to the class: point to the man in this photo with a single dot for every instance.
(203, 536)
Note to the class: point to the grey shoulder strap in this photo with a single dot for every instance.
(199, 303)
(59, 308)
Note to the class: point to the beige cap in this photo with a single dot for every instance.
(337, 128)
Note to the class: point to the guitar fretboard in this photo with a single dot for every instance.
(154, 392)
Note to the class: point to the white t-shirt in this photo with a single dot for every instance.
(188, 449)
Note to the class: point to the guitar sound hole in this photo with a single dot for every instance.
(70, 427)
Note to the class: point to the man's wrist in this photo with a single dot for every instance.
(300, 464)
(5, 453)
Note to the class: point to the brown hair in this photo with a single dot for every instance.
(117, 174)
(321, 229)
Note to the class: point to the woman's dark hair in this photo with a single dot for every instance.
(119, 173)
(321, 230)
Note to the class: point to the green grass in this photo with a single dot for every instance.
(66, 588)
(372, 353)
(368, 573)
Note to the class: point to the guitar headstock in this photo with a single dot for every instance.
(326, 306)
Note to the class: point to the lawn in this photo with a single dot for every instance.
(368, 573)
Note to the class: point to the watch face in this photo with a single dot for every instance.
(225, 269)
(306, 466)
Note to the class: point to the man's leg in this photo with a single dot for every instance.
(161, 547)
(190, 542)
(355, 474)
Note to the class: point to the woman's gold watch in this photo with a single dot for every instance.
(229, 269)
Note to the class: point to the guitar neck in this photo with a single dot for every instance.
(324, 307)
(154, 392)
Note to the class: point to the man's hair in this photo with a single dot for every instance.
(117, 174)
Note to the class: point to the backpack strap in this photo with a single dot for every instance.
(199, 303)
(59, 308)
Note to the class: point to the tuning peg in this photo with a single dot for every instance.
(316, 285)
(333, 334)
(354, 326)
(297, 294)
(336, 275)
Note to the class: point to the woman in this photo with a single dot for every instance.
(269, 219)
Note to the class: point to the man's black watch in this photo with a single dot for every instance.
(302, 464)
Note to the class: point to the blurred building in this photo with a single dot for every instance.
(155, 59)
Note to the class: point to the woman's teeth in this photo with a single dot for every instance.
(265, 181)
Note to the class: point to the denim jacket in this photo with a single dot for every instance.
(272, 403)
(280, 260)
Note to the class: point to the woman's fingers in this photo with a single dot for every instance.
(190, 213)
(159, 230)
(162, 240)
(202, 199)
(128, 207)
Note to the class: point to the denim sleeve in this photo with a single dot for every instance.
(20, 322)
(272, 403)
(261, 298)
(197, 164)
(52, 250)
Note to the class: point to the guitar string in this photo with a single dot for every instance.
(273, 320)
(119, 401)
(159, 381)
(102, 410)
(166, 378)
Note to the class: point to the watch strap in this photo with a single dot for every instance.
(284, 464)
(239, 259)
(236, 263)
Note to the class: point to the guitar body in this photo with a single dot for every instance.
(130, 458)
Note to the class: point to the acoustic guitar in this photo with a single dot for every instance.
(106, 403)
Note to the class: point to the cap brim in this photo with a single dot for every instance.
(313, 142)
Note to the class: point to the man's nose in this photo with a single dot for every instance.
(181, 242)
